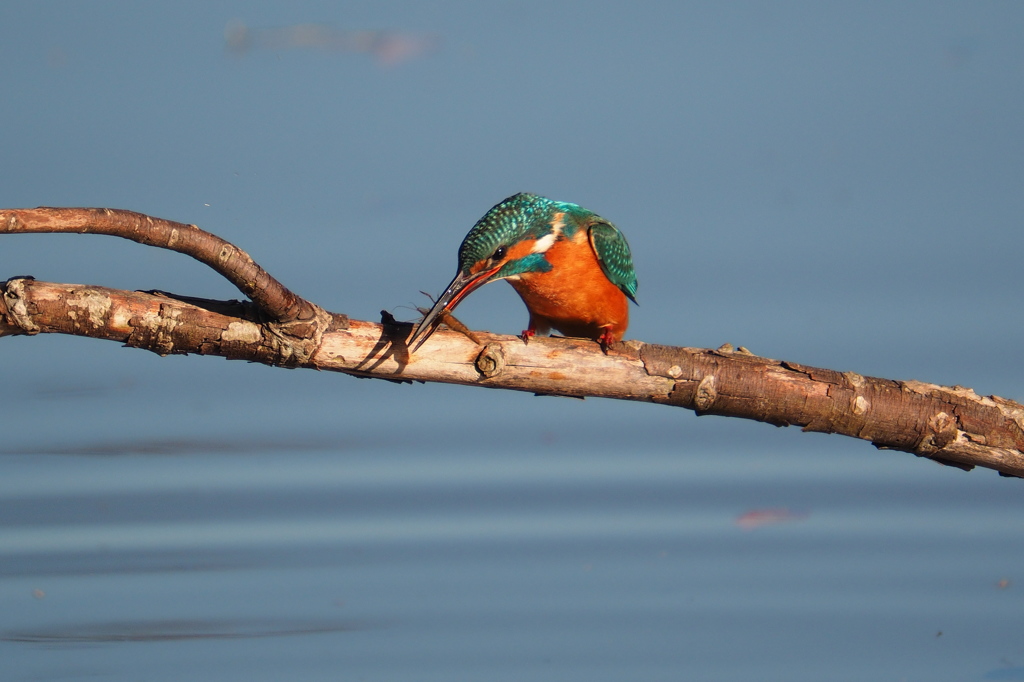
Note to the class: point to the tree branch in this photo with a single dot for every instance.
(290, 316)
(950, 425)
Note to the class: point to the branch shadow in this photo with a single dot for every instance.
(392, 343)
(245, 310)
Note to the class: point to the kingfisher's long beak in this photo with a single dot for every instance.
(463, 285)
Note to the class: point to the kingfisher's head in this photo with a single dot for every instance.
(513, 236)
(510, 240)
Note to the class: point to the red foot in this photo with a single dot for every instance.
(606, 339)
(527, 335)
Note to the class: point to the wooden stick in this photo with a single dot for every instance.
(273, 298)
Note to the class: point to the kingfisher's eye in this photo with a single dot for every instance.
(499, 253)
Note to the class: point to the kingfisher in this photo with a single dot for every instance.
(572, 268)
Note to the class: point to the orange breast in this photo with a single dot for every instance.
(575, 297)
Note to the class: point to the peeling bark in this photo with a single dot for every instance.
(951, 425)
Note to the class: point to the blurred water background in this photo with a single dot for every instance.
(839, 185)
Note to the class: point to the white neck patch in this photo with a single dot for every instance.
(548, 240)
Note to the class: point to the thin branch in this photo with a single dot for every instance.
(273, 298)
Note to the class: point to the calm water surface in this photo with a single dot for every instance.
(192, 560)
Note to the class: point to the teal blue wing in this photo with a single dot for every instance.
(613, 254)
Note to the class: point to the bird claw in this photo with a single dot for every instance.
(527, 335)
